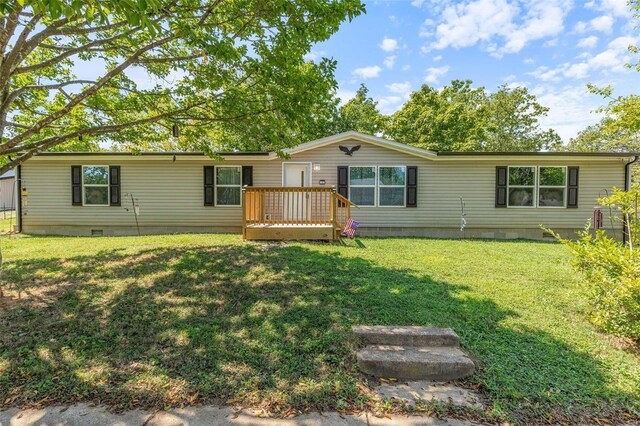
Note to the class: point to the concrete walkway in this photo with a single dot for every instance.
(83, 414)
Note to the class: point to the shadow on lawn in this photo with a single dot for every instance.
(262, 325)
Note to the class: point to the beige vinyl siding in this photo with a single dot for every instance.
(441, 184)
(475, 183)
(170, 194)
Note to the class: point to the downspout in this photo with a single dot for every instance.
(19, 195)
(627, 187)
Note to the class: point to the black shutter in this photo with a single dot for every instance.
(76, 185)
(209, 179)
(412, 186)
(343, 181)
(247, 175)
(501, 186)
(114, 185)
(572, 187)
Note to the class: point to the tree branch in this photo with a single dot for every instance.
(71, 52)
(86, 93)
(39, 146)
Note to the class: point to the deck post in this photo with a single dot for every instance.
(334, 212)
(244, 212)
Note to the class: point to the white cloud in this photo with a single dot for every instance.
(389, 44)
(417, 3)
(544, 19)
(434, 73)
(612, 59)
(313, 55)
(622, 43)
(426, 29)
(389, 104)
(389, 61)
(367, 72)
(588, 42)
(401, 88)
(581, 27)
(464, 25)
(406, 67)
(345, 95)
(484, 21)
(529, 61)
(570, 108)
(618, 8)
(602, 23)
(437, 58)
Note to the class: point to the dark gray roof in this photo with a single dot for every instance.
(8, 175)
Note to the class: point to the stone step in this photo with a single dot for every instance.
(437, 363)
(406, 336)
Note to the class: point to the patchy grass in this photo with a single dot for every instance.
(7, 220)
(162, 321)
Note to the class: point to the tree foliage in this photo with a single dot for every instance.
(361, 114)
(513, 122)
(450, 119)
(460, 117)
(611, 268)
(231, 73)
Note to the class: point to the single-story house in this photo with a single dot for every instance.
(8, 191)
(394, 189)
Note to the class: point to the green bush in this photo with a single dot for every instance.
(612, 268)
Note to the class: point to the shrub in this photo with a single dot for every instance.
(612, 268)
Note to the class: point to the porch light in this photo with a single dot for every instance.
(316, 167)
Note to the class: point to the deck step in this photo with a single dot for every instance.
(437, 363)
(406, 336)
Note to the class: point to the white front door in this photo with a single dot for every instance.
(296, 204)
(296, 174)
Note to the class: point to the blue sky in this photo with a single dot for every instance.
(553, 47)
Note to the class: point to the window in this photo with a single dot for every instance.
(552, 186)
(228, 185)
(521, 187)
(362, 185)
(95, 183)
(391, 186)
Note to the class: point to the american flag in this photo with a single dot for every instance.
(350, 228)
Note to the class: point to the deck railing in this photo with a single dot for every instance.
(294, 206)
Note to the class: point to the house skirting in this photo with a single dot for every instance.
(490, 233)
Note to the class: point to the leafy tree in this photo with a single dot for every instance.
(231, 73)
(612, 269)
(462, 118)
(605, 135)
(513, 122)
(361, 114)
(450, 119)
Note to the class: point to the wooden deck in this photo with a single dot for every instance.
(293, 213)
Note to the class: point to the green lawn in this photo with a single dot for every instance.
(169, 320)
(7, 220)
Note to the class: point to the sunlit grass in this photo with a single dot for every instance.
(162, 321)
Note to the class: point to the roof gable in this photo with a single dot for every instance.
(362, 137)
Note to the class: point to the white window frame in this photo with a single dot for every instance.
(565, 186)
(215, 186)
(380, 185)
(534, 204)
(93, 185)
(374, 186)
